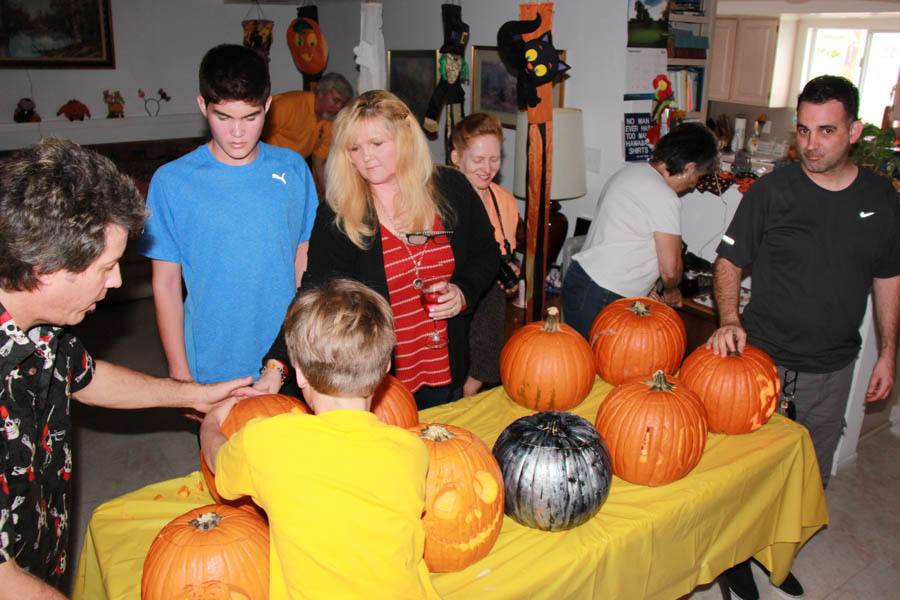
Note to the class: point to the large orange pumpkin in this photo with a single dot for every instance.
(547, 365)
(464, 497)
(655, 429)
(394, 404)
(308, 45)
(634, 337)
(209, 549)
(739, 391)
(264, 406)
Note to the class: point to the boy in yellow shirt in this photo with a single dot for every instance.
(344, 493)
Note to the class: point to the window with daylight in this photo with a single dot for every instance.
(870, 59)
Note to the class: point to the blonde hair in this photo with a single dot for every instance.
(349, 195)
(340, 336)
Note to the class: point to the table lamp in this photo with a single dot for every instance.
(568, 179)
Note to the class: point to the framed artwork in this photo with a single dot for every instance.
(62, 34)
(494, 87)
(412, 76)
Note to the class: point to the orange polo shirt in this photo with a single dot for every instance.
(291, 123)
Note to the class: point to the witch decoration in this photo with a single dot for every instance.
(453, 70)
(526, 48)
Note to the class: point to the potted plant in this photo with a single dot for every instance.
(876, 151)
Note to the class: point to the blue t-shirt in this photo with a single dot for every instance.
(235, 232)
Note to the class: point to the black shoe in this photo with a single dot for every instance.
(740, 581)
(791, 588)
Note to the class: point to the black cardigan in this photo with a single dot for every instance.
(475, 252)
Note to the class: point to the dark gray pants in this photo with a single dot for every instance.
(820, 401)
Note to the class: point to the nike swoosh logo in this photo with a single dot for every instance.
(863, 215)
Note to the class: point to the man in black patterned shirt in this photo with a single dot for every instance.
(65, 216)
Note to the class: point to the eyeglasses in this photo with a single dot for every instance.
(419, 238)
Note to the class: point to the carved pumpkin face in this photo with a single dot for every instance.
(308, 45)
(464, 497)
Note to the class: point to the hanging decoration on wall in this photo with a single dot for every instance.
(308, 45)
(257, 32)
(370, 52)
(526, 47)
(73, 109)
(25, 112)
(534, 62)
(453, 70)
(663, 109)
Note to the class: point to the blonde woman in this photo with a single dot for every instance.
(477, 141)
(396, 223)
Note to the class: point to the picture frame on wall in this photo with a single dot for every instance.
(494, 87)
(412, 76)
(64, 34)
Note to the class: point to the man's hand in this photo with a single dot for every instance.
(217, 394)
(728, 337)
(882, 380)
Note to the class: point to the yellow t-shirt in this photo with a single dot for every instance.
(291, 123)
(344, 494)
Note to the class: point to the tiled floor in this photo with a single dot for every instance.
(857, 557)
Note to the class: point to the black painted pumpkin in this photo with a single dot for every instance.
(556, 470)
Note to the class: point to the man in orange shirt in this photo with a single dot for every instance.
(301, 121)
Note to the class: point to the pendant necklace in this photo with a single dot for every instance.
(417, 282)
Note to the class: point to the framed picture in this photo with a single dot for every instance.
(62, 34)
(494, 87)
(412, 76)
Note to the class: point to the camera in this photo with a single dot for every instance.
(507, 275)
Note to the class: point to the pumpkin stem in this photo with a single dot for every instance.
(206, 521)
(551, 322)
(639, 308)
(437, 433)
(552, 426)
(659, 383)
(733, 353)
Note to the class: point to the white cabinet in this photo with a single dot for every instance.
(751, 61)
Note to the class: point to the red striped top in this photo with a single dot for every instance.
(415, 364)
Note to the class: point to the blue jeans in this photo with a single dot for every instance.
(426, 397)
(582, 299)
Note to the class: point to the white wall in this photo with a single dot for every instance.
(160, 44)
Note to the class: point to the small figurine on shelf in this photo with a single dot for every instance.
(73, 109)
(25, 112)
(662, 109)
(116, 104)
(151, 105)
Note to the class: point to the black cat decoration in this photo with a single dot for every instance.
(534, 63)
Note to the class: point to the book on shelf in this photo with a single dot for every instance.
(687, 87)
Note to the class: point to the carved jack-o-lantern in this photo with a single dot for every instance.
(464, 497)
(308, 45)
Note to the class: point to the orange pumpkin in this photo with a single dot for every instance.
(206, 546)
(267, 405)
(464, 497)
(739, 391)
(547, 365)
(655, 429)
(394, 404)
(309, 48)
(634, 337)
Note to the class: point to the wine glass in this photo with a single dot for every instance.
(428, 295)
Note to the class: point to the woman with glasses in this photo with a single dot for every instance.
(477, 142)
(415, 233)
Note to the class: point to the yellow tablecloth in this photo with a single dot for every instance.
(756, 494)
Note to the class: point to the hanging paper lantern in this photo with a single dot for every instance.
(308, 45)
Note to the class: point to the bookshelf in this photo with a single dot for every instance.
(691, 72)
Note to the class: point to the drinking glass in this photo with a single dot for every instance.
(429, 295)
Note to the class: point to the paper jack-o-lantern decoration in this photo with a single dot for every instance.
(309, 48)
(464, 497)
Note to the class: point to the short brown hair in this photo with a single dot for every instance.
(56, 199)
(341, 336)
(473, 126)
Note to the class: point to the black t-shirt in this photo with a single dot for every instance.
(814, 254)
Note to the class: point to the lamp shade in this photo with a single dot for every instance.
(568, 173)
